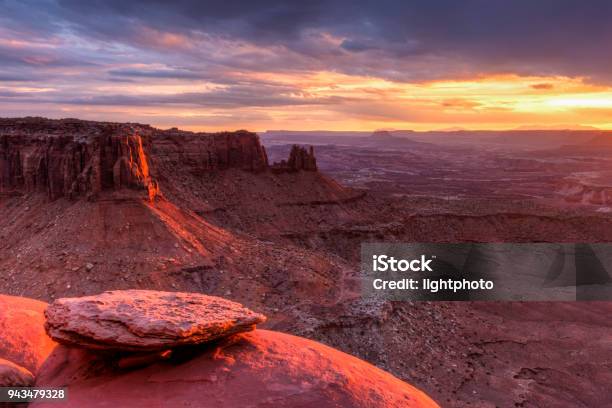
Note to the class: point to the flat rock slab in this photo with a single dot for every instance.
(141, 320)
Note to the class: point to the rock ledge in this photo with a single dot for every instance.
(145, 320)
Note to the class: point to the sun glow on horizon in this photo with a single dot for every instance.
(335, 101)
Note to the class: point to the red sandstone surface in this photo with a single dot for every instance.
(23, 340)
(261, 368)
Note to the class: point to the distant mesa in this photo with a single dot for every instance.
(556, 127)
(75, 158)
(382, 134)
(385, 138)
(452, 129)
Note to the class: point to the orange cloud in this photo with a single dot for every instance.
(546, 86)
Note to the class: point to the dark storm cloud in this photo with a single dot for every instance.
(265, 21)
(77, 47)
(531, 37)
(165, 73)
(14, 78)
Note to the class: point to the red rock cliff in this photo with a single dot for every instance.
(71, 158)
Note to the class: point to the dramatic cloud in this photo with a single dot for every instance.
(274, 61)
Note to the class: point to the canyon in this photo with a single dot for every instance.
(90, 206)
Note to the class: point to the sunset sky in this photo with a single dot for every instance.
(336, 65)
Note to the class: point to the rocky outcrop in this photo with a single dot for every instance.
(302, 159)
(112, 356)
(69, 158)
(257, 369)
(299, 159)
(72, 158)
(145, 320)
(203, 153)
(23, 340)
(13, 375)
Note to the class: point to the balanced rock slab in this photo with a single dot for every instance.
(145, 320)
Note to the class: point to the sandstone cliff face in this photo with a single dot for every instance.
(72, 158)
(69, 158)
(202, 153)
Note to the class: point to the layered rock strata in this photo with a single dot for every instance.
(74, 158)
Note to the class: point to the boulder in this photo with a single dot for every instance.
(256, 369)
(145, 320)
(13, 375)
(23, 340)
